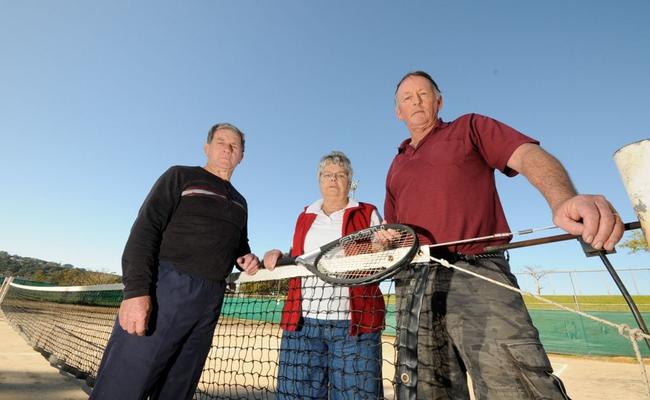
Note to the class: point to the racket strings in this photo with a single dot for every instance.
(366, 253)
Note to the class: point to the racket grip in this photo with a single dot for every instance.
(286, 260)
(282, 261)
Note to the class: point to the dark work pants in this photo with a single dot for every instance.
(167, 362)
(470, 325)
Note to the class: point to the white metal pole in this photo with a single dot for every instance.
(633, 162)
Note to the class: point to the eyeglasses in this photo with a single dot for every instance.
(339, 176)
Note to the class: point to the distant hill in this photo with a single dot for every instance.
(34, 269)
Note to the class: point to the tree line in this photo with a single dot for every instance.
(34, 269)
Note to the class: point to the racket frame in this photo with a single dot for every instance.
(371, 278)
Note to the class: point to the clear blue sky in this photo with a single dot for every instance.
(97, 99)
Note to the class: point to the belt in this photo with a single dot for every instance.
(453, 257)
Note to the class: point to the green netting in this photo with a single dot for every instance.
(568, 333)
(267, 309)
(106, 298)
(560, 331)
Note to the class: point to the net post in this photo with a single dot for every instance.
(6, 284)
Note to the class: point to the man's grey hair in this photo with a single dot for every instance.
(230, 127)
(338, 158)
(420, 74)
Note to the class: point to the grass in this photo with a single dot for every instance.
(585, 303)
(589, 303)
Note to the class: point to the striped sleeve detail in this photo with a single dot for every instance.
(199, 192)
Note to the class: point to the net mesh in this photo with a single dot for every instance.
(72, 329)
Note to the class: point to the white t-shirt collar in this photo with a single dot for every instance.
(317, 206)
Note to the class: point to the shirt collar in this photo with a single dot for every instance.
(407, 142)
(317, 206)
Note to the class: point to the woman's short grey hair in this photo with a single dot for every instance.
(230, 127)
(338, 158)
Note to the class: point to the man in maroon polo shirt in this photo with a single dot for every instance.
(441, 182)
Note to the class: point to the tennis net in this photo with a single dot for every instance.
(71, 326)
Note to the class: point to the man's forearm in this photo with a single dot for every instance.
(544, 172)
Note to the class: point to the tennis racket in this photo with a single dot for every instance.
(363, 257)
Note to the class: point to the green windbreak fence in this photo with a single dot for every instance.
(104, 298)
(561, 331)
(266, 309)
(568, 333)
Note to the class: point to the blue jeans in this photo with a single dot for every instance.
(323, 358)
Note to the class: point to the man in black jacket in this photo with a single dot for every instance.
(190, 231)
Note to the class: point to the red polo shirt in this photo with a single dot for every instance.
(445, 188)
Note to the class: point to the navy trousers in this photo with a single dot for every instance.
(167, 362)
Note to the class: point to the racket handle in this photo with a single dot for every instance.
(282, 261)
(286, 260)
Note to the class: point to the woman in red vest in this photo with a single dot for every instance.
(331, 344)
